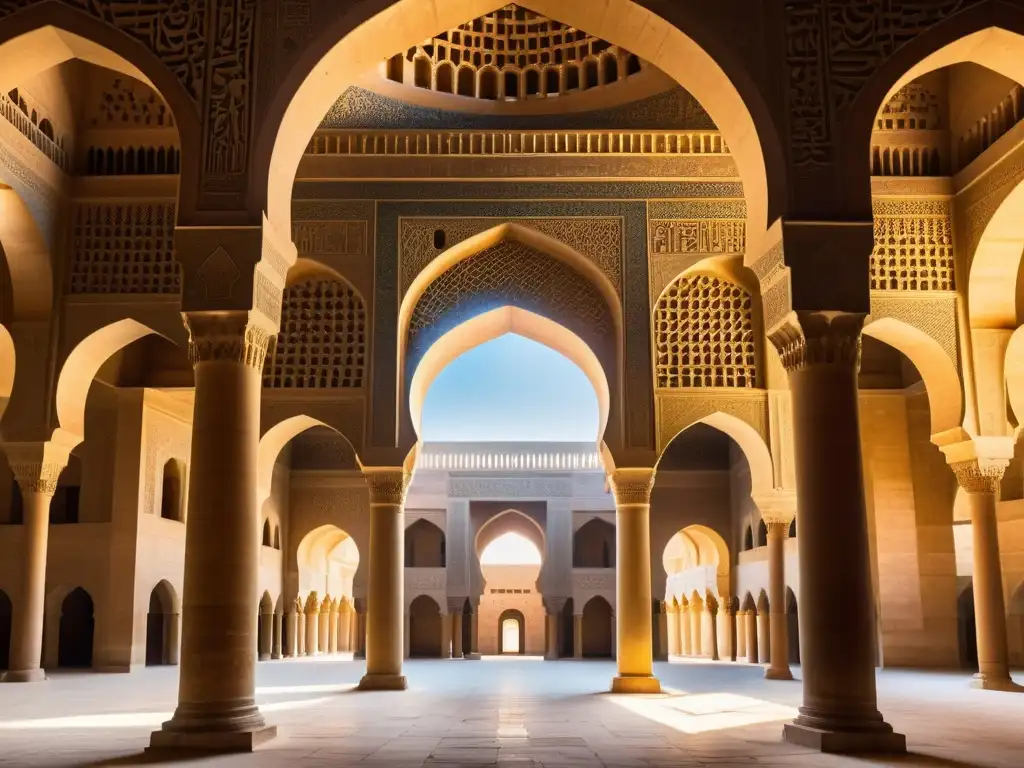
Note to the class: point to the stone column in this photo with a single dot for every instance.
(577, 636)
(740, 623)
(632, 491)
(821, 351)
(36, 469)
(345, 626)
(406, 635)
(324, 624)
(292, 650)
(474, 632)
(979, 477)
(696, 630)
(659, 621)
(778, 532)
(276, 650)
(672, 618)
(300, 633)
(385, 601)
(446, 636)
(359, 628)
(455, 605)
(750, 629)
(332, 629)
(709, 622)
(764, 635)
(554, 607)
(217, 711)
(725, 626)
(266, 635)
(313, 624)
(684, 629)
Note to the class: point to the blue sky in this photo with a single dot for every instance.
(511, 388)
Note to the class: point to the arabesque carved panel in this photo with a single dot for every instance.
(913, 246)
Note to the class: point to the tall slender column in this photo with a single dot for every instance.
(313, 624)
(554, 607)
(672, 617)
(741, 634)
(332, 629)
(324, 624)
(217, 684)
(406, 635)
(455, 605)
(385, 603)
(979, 477)
(474, 632)
(446, 636)
(293, 629)
(632, 491)
(345, 626)
(266, 635)
(778, 532)
(821, 352)
(577, 636)
(725, 626)
(696, 629)
(36, 469)
(276, 650)
(300, 633)
(764, 635)
(750, 629)
(685, 646)
(710, 623)
(359, 628)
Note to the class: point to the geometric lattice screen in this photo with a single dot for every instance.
(704, 335)
(322, 343)
(913, 253)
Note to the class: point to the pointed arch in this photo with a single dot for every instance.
(327, 555)
(510, 521)
(938, 371)
(682, 47)
(493, 324)
(424, 545)
(28, 258)
(276, 437)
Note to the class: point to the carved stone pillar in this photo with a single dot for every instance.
(725, 626)
(313, 624)
(696, 630)
(672, 617)
(217, 711)
(446, 636)
(821, 351)
(577, 636)
(979, 477)
(709, 622)
(632, 491)
(455, 605)
(324, 638)
(36, 468)
(300, 631)
(345, 625)
(685, 643)
(778, 532)
(764, 635)
(659, 629)
(750, 629)
(474, 632)
(385, 601)
(276, 651)
(553, 616)
(292, 647)
(359, 628)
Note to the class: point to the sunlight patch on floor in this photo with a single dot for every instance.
(704, 712)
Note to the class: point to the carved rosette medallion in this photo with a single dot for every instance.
(819, 338)
(387, 485)
(632, 486)
(226, 337)
(979, 475)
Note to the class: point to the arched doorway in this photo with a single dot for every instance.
(512, 632)
(6, 612)
(593, 545)
(597, 629)
(424, 545)
(967, 631)
(162, 626)
(76, 630)
(424, 628)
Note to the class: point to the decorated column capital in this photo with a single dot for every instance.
(227, 337)
(297, 605)
(388, 485)
(725, 607)
(36, 466)
(979, 463)
(823, 338)
(777, 507)
(555, 605)
(312, 604)
(456, 604)
(670, 606)
(632, 485)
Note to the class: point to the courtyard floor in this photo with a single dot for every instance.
(519, 713)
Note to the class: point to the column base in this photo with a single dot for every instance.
(990, 683)
(382, 683)
(264, 657)
(846, 742)
(276, 656)
(23, 676)
(210, 741)
(472, 657)
(636, 684)
(778, 673)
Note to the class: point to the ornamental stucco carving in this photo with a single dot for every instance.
(510, 487)
(913, 246)
(679, 410)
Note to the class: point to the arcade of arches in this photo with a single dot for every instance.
(233, 266)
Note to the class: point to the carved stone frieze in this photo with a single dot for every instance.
(509, 487)
(599, 239)
(819, 338)
(331, 238)
(711, 236)
(679, 410)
